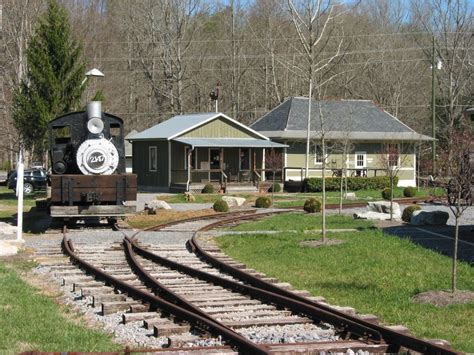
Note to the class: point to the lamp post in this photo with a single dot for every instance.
(435, 64)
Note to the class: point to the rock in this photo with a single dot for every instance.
(6, 228)
(419, 218)
(376, 216)
(10, 247)
(233, 201)
(384, 207)
(154, 205)
(350, 196)
(189, 197)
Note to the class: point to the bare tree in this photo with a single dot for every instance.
(392, 158)
(18, 21)
(458, 169)
(450, 24)
(273, 161)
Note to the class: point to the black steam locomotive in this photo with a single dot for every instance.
(87, 156)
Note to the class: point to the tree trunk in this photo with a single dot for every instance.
(308, 127)
(391, 195)
(323, 204)
(455, 251)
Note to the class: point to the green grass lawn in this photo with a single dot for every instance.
(302, 221)
(31, 321)
(9, 201)
(297, 199)
(372, 272)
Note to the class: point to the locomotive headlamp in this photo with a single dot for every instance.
(95, 125)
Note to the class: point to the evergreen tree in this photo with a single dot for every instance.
(53, 83)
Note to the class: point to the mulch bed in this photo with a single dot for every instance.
(316, 243)
(444, 298)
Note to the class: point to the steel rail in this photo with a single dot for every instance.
(164, 292)
(199, 218)
(341, 324)
(158, 303)
(388, 335)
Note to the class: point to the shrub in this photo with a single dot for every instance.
(263, 202)
(312, 205)
(408, 211)
(386, 193)
(275, 188)
(208, 189)
(409, 191)
(353, 183)
(220, 206)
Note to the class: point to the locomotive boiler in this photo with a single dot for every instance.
(87, 155)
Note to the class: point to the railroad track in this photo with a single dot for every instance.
(196, 296)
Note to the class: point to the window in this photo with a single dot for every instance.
(361, 159)
(318, 154)
(152, 159)
(245, 159)
(193, 158)
(393, 155)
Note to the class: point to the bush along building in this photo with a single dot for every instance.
(375, 140)
(187, 152)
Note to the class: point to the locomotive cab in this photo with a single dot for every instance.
(87, 154)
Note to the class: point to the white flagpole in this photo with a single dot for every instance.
(19, 193)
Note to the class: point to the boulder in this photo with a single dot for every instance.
(157, 205)
(384, 207)
(189, 197)
(351, 196)
(420, 218)
(6, 228)
(376, 216)
(233, 201)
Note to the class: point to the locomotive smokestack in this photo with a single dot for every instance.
(95, 125)
(94, 110)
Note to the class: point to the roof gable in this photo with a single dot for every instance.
(220, 128)
(182, 124)
(338, 116)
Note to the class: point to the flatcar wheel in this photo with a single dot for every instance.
(113, 224)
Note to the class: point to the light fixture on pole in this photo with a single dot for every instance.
(93, 72)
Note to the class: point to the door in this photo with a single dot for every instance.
(214, 164)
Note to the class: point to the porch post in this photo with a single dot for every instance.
(263, 164)
(190, 152)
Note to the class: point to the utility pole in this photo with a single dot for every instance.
(433, 109)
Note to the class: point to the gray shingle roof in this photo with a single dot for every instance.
(340, 118)
(178, 125)
(174, 126)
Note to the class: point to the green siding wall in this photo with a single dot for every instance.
(219, 128)
(147, 179)
(297, 150)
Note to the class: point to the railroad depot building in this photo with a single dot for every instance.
(188, 151)
(373, 137)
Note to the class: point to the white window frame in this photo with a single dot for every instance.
(150, 162)
(364, 154)
(316, 162)
(186, 149)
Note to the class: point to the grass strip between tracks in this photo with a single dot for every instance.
(33, 321)
(370, 271)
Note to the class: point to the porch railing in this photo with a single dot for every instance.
(335, 172)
